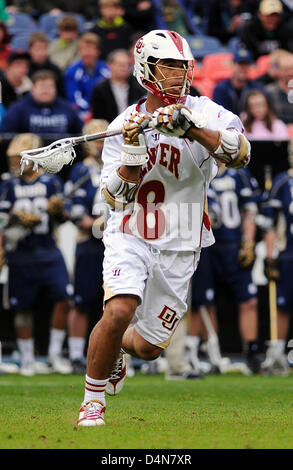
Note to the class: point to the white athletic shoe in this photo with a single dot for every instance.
(60, 365)
(27, 369)
(32, 368)
(92, 413)
(117, 377)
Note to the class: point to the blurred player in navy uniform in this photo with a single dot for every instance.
(230, 259)
(33, 205)
(83, 189)
(278, 264)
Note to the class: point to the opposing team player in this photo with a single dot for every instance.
(230, 259)
(279, 260)
(83, 190)
(33, 204)
(155, 183)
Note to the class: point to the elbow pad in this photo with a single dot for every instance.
(233, 149)
(118, 191)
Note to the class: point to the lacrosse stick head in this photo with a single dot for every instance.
(51, 158)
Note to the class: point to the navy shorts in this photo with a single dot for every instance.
(226, 269)
(88, 274)
(284, 286)
(26, 280)
(202, 284)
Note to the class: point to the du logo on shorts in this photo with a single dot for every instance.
(168, 317)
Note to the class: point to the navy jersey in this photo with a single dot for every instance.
(280, 199)
(83, 188)
(32, 196)
(237, 192)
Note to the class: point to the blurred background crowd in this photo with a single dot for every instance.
(66, 69)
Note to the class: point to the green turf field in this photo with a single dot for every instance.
(218, 412)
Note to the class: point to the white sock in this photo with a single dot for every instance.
(282, 344)
(56, 342)
(26, 349)
(95, 389)
(194, 342)
(76, 348)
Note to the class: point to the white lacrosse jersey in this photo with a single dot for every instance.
(169, 210)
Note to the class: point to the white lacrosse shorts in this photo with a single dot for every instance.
(159, 278)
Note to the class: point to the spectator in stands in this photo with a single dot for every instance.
(5, 48)
(227, 17)
(141, 14)
(272, 74)
(112, 96)
(174, 16)
(14, 80)
(63, 50)
(39, 53)
(231, 92)
(36, 8)
(113, 30)
(42, 111)
(267, 31)
(279, 91)
(84, 74)
(259, 119)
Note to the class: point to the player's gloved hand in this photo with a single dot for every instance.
(55, 206)
(272, 269)
(25, 219)
(134, 149)
(246, 255)
(233, 149)
(175, 120)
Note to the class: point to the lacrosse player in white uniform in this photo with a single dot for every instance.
(155, 181)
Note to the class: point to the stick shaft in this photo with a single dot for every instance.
(96, 136)
(273, 310)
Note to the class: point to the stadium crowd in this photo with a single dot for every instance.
(66, 70)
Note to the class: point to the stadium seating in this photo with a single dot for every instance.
(48, 23)
(20, 41)
(205, 86)
(20, 23)
(204, 45)
(261, 67)
(217, 67)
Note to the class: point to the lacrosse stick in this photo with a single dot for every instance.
(61, 152)
(275, 362)
(212, 348)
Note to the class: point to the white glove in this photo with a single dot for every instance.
(176, 120)
(134, 149)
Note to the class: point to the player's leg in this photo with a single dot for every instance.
(246, 294)
(105, 343)
(55, 278)
(202, 294)
(77, 332)
(23, 289)
(88, 298)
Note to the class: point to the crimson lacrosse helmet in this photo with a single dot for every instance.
(149, 50)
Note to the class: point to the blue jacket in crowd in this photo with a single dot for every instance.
(79, 83)
(27, 115)
(231, 98)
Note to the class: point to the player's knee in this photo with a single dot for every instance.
(146, 350)
(23, 319)
(251, 303)
(118, 316)
(152, 354)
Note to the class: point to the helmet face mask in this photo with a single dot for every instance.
(154, 70)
